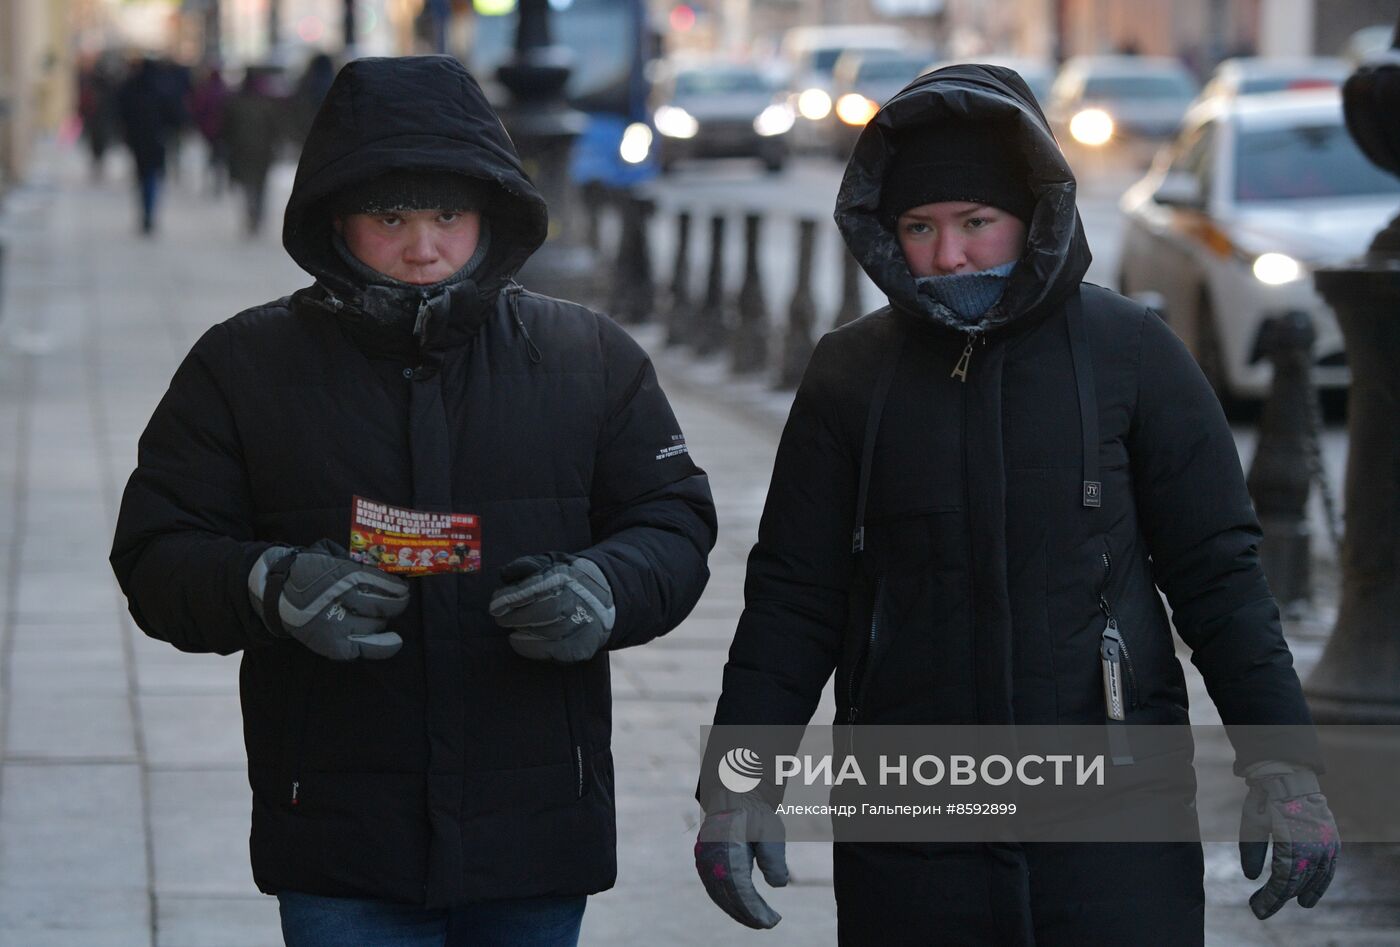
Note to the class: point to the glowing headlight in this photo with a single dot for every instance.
(1276, 269)
(814, 104)
(675, 122)
(1091, 127)
(855, 109)
(774, 120)
(636, 143)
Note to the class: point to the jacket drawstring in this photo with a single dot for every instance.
(512, 299)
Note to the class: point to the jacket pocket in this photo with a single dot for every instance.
(1119, 679)
(574, 717)
(863, 659)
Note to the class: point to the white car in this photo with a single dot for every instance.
(1233, 217)
(1256, 75)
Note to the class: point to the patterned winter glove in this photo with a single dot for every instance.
(729, 842)
(335, 606)
(560, 605)
(1286, 803)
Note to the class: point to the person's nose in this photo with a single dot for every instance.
(949, 255)
(420, 249)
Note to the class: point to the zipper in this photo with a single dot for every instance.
(857, 665)
(1118, 663)
(299, 747)
(570, 683)
(965, 359)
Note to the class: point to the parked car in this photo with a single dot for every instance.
(1039, 74)
(862, 80)
(808, 54)
(1253, 75)
(720, 110)
(1101, 101)
(1231, 220)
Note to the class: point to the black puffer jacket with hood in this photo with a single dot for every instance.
(977, 598)
(456, 770)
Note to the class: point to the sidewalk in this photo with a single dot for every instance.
(123, 797)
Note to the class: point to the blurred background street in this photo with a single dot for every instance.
(124, 799)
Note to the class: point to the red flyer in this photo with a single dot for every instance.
(414, 542)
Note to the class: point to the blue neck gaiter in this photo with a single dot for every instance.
(968, 295)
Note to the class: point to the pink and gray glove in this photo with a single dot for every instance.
(1286, 803)
(731, 839)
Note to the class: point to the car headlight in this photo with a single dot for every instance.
(774, 120)
(855, 109)
(1275, 269)
(636, 143)
(814, 104)
(675, 122)
(1091, 127)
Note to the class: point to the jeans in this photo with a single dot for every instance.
(310, 920)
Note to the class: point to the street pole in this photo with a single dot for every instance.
(274, 25)
(544, 126)
(348, 25)
(1357, 680)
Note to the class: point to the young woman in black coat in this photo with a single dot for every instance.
(1046, 457)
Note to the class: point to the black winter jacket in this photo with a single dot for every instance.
(456, 770)
(977, 597)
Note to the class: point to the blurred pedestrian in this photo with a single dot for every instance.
(147, 114)
(98, 80)
(977, 495)
(429, 759)
(311, 88)
(253, 122)
(208, 101)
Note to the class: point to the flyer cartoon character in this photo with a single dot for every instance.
(406, 557)
(425, 558)
(359, 546)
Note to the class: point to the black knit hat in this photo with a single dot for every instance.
(411, 190)
(956, 161)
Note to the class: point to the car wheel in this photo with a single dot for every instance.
(774, 165)
(1210, 355)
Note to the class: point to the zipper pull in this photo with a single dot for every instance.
(1111, 656)
(295, 787)
(960, 369)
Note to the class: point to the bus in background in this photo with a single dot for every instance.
(611, 41)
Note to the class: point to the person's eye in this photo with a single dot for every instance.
(448, 217)
(977, 223)
(916, 227)
(391, 220)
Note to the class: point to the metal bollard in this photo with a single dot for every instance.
(632, 292)
(680, 314)
(802, 312)
(592, 198)
(709, 321)
(1357, 680)
(1280, 476)
(749, 344)
(851, 308)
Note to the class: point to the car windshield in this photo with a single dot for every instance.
(1263, 84)
(1304, 162)
(1138, 87)
(718, 82)
(881, 69)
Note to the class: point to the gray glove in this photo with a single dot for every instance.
(335, 606)
(560, 605)
(729, 842)
(1285, 802)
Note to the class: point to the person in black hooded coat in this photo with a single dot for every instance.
(1045, 456)
(468, 767)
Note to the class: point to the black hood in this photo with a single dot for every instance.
(1056, 255)
(419, 113)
